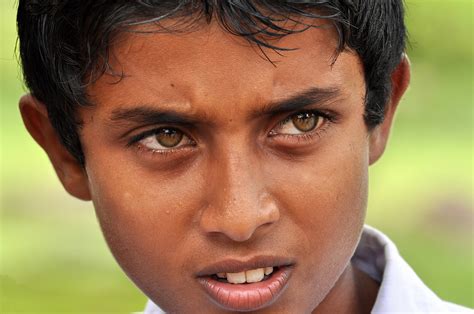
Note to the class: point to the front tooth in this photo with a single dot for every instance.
(254, 275)
(268, 270)
(221, 275)
(236, 277)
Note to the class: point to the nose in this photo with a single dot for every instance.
(239, 206)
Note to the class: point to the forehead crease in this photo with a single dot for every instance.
(212, 52)
(214, 70)
(196, 75)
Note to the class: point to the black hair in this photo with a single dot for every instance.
(64, 44)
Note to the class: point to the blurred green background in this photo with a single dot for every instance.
(53, 257)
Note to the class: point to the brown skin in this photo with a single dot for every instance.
(236, 192)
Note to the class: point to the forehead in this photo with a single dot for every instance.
(209, 65)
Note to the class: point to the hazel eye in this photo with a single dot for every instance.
(299, 123)
(164, 138)
(305, 121)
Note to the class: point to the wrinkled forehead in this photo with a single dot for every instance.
(211, 65)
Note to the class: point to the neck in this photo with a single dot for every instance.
(354, 292)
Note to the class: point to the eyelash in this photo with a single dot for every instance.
(134, 141)
(328, 117)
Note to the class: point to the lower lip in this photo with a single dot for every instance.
(247, 297)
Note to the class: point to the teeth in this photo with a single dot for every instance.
(236, 277)
(254, 275)
(249, 276)
(268, 270)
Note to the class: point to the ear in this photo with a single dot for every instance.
(70, 172)
(379, 135)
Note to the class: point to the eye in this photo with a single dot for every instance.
(163, 139)
(299, 123)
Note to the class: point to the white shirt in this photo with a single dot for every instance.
(400, 291)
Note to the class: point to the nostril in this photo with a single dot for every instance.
(239, 215)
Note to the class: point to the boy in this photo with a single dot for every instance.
(225, 145)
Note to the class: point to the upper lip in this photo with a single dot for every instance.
(238, 265)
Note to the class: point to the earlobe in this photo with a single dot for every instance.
(379, 135)
(71, 174)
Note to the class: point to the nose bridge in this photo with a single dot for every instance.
(238, 201)
(237, 174)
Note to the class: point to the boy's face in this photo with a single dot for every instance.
(206, 158)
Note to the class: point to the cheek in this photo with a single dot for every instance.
(326, 198)
(145, 221)
(327, 190)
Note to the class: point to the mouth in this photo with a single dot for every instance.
(246, 286)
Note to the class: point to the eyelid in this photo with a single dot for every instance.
(328, 115)
(137, 138)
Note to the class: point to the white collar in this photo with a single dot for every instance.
(401, 290)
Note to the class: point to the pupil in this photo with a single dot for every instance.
(305, 122)
(169, 137)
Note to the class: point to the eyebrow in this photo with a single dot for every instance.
(298, 101)
(149, 114)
